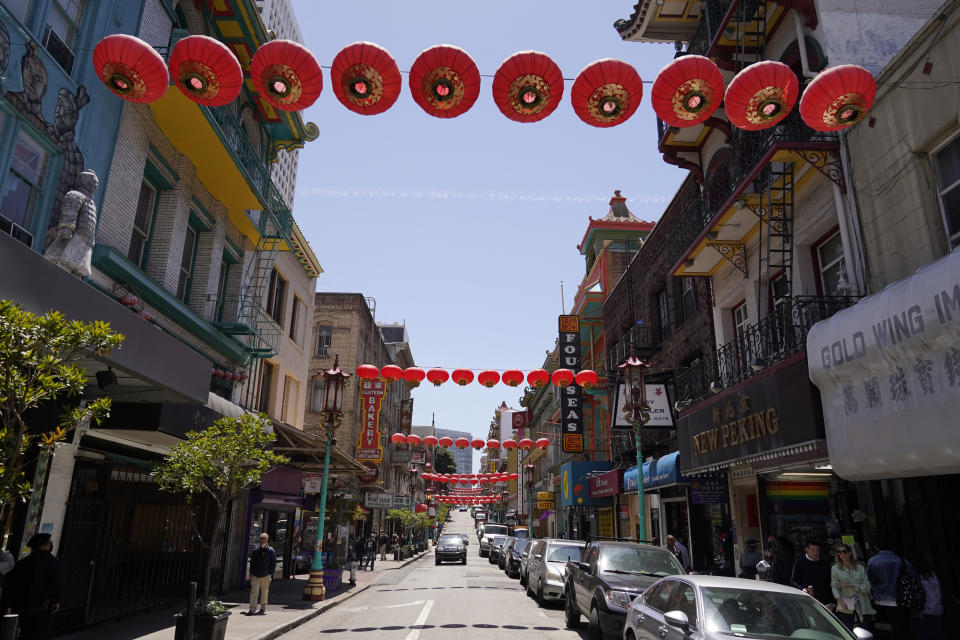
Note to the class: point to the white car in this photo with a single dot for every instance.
(487, 534)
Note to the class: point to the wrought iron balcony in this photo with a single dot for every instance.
(641, 337)
(748, 149)
(777, 336)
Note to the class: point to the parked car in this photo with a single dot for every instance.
(525, 561)
(486, 534)
(466, 538)
(505, 552)
(493, 551)
(718, 608)
(607, 578)
(547, 567)
(450, 547)
(512, 565)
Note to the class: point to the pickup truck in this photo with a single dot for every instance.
(486, 535)
(603, 583)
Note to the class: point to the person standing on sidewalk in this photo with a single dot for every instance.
(851, 588)
(32, 589)
(883, 571)
(352, 560)
(371, 550)
(812, 574)
(384, 541)
(263, 562)
(360, 551)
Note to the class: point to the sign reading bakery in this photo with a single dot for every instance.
(778, 408)
(372, 393)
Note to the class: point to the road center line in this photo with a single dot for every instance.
(403, 604)
(422, 618)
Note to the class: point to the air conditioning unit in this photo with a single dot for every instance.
(58, 49)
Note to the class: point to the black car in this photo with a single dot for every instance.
(512, 565)
(450, 547)
(496, 545)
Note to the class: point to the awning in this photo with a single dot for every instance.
(888, 369)
(306, 451)
(660, 472)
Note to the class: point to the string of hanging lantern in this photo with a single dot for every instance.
(445, 82)
(585, 378)
(401, 440)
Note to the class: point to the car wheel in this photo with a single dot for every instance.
(540, 599)
(594, 632)
(570, 614)
(529, 588)
(438, 562)
(464, 559)
(523, 579)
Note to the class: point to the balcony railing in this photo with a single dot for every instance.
(779, 335)
(642, 337)
(747, 149)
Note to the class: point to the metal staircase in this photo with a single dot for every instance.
(776, 245)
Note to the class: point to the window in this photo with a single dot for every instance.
(64, 19)
(24, 181)
(186, 264)
(291, 389)
(324, 338)
(316, 394)
(224, 278)
(688, 298)
(947, 163)
(276, 293)
(266, 378)
(140, 237)
(659, 598)
(741, 319)
(779, 292)
(663, 313)
(298, 314)
(832, 266)
(684, 599)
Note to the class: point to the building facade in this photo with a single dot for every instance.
(463, 457)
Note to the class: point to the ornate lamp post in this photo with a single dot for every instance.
(637, 413)
(414, 472)
(332, 416)
(528, 478)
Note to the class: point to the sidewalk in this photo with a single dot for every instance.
(287, 609)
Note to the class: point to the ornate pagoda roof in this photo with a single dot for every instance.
(618, 218)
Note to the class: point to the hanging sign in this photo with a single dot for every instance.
(571, 399)
(371, 395)
(661, 416)
(406, 415)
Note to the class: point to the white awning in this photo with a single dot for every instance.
(888, 370)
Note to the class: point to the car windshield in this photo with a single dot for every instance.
(495, 530)
(768, 615)
(450, 540)
(639, 560)
(564, 552)
(498, 540)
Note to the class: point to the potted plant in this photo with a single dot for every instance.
(209, 621)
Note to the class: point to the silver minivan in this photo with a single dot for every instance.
(547, 567)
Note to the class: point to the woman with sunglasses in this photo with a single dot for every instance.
(851, 588)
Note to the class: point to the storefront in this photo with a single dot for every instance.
(580, 511)
(607, 485)
(273, 510)
(888, 369)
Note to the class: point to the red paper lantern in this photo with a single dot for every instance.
(445, 442)
(587, 379)
(398, 438)
(562, 378)
(365, 78)
(477, 444)
(413, 439)
(430, 441)
(443, 480)
(526, 444)
(493, 444)
(606, 93)
(391, 372)
(205, 71)
(542, 443)
(483, 480)
(514, 476)
(286, 75)
(761, 95)
(687, 91)
(538, 378)
(420, 508)
(509, 444)
(368, 372)
(512, 377)
(437, 376)
(131, 68)
(528, 86)
(462, 376)
(488, 378)
(414, 376)
(146, 315)
(474, 481)
(444, 81)
(838, 98)
(462, 443)
(129, 300)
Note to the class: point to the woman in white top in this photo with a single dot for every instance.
(851, 588)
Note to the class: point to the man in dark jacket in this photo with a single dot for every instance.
(811, 573)
(263, 562)
(384, 541)
(782, 560)
(32, 589)
(371, 550)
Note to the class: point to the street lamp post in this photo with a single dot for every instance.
(413, 499)
(528, 476)
(332, 416)
(637, 412)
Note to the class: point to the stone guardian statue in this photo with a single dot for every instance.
(76, 229)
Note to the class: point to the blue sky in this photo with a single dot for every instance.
(464, 228)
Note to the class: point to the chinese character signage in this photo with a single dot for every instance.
(571, 398)
(406, 415)
(372, 393)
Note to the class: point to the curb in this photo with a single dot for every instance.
(281, 629)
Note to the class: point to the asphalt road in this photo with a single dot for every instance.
(426, 601)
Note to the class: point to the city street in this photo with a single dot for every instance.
(423, 600)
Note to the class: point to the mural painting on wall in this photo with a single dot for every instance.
(61, 131)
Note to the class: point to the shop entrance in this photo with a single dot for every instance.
(746, 514)
(676, 520)
(279, 526)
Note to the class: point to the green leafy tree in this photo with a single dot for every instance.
(39, 358)
(443, 461)
(221, 462)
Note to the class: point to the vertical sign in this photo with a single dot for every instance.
(571, 399)
(371, 396)
(406, 415)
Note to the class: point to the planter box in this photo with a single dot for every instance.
(204, 627)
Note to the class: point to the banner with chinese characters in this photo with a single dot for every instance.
(372, 393)
(406, 415)
(571, 399)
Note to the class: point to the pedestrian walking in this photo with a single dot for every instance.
(32, 589)
(352, 559)
(371, 550)
(679, 550)
(383, 541)
(360, 551)
(851, 589)
(782, 560)
(395, 540)
(883, 571)
(928, 624)
(263, 562)
(811, 573)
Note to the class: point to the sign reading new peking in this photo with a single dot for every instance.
(571, 398)
(369, 449)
